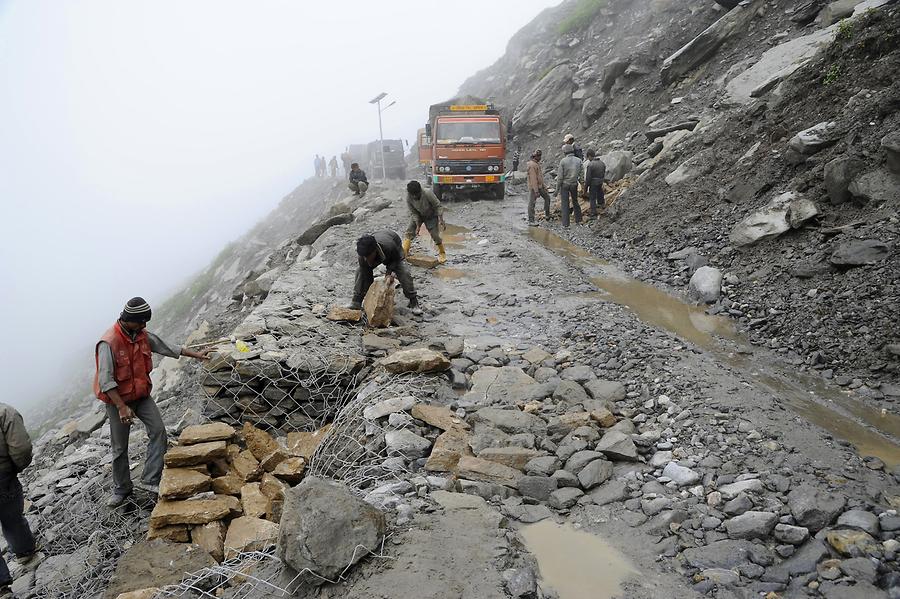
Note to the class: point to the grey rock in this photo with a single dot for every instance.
(767, 222)
(618, 164)
(813, 508)
(546, 102)
(146, 564)
(564, 498)
(537, 487)
(732, 490)
(738, 505)
(838, 175)
(389, 406)
(570, 392)
(652, 507)
(611, 492)
(579, 374)
(706, 284)
(505, 385)
(542, 466)
(529, 513)
(617, 446)
(861, 569)
(859, 252)
(680, 475)
(816, 138)
(520, 582)
(581, 459)
(485, 490)
(609, 391)
(751, 525)
(794, 535)
(310, 236)
(407, 443)
(877, 186)
(565, 479)
(802, 562)
(726, 554)
(861, 519)
(860, 590)
(512, 421)
(325, 528)
(890, 143)
(595, 473)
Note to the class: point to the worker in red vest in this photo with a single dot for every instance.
(122, 381)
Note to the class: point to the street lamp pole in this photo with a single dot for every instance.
(377, 101)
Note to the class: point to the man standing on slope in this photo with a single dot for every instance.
(15, 456)
(536, 187)
(382, 247)
(358, 182)
(424, 207)
(576, 149)
(333, 165)
(569, 175)
(122, 381)
(593, 181)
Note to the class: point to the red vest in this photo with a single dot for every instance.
(133, 361)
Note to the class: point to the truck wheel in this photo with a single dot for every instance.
(438, 191)
(499, 191)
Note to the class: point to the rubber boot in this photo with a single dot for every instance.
(442, 255)
(406, 244)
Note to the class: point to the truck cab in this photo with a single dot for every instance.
(394, 159)
(464, 147)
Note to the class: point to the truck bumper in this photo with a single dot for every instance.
(465, 180)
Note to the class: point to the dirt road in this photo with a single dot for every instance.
(696, 391)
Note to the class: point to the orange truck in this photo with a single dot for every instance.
(463, 148)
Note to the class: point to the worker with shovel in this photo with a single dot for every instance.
(383, 247)
(424, 207)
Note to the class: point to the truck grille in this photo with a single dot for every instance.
(467, 167)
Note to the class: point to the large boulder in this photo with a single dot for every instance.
(813, 508)
(548, 101)
(512, 422)
(890, 143)
(816, 138)
(618, 164)
(325, 529)
(503, 385)
(379, 303)
(859, 252)
(310, 236)
(704, 46)
(786, 211)
(877, 186)
(156, 563)
(838, 175)
(706, 284)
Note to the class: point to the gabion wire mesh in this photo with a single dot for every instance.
(354, 451)
(299, 392)
(83, 540)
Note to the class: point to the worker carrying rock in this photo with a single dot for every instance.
(122, 381)
(424, 207)
(358, 182)
(383, 247)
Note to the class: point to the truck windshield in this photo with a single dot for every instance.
(455, 132)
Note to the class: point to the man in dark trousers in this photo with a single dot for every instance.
(568, 176)
(593, 180)
(383, 247)
(122, 381)
(424, 208)
(358, 182)
(15, 456)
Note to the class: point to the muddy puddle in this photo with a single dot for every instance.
(576, 564)
(830, 409)
(454, 236)
(449, 273)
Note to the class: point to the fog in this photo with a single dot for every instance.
(137, 139)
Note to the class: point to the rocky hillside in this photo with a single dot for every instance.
(760, 141)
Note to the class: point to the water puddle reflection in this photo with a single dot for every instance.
(805, 395)
(576, 564)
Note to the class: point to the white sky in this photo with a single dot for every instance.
(138, 138)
